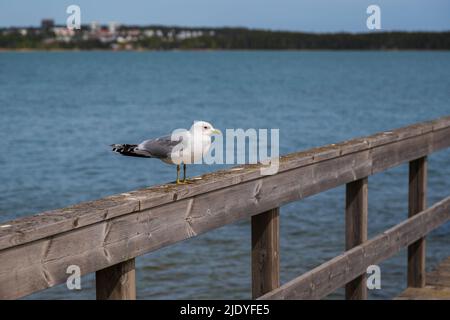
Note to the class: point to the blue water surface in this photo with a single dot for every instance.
(59, 112)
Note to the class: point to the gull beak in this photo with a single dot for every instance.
(216, 131)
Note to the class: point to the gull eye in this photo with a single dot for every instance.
(205, 127)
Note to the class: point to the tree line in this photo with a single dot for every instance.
(235, 39)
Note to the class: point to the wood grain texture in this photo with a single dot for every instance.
(437, 285)
(265, 252)
(335, 273)
(417, 202)
(35, 251)
(425, 293)
(117, 282)
(356, 212)
(440, 275)
(112, 241)
(385, 150)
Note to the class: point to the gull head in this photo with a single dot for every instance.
(204, 128)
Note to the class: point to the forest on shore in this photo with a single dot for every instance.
(173, 38)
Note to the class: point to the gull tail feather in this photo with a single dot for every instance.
(129, 150)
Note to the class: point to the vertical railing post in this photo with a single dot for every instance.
(117, 282)
(417, 203)
(356, 211)
(265, 252)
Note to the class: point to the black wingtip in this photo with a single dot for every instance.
(114, 147)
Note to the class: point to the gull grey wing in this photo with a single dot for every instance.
(158, 148)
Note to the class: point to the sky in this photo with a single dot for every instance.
(295, 15)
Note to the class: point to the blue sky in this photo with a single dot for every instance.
(301, 15)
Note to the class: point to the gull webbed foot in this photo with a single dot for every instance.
(185, 180)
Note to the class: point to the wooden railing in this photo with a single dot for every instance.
(105, 236)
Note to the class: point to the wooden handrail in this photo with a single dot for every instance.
(117, 282)
(417, 202)
(265, 252)
(356, 212)
(35, 251)
(326, 278)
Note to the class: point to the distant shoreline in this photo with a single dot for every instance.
(218, 50)
(164, 38)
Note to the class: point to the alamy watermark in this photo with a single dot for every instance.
(235, 146)
(74, 280)
(373, 22)
(374, 277)
(74, 19)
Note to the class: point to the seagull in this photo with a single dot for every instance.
(182, 147)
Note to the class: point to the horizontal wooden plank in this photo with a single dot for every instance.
(437, 285)
(112, 241)
(426, 293)
(387, 149)
(335, 273)
(440, 276)
(94, 235)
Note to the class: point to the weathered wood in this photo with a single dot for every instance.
(99, 245)
(356, 231)
(326, 278)
(440, 276)
(265, 252)
(117, 282)
(396, 153)
(425, 293)
(417, 203)
(98, 234)
(385, 150)
(437, 285)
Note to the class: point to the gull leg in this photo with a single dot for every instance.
(178, 175)
(185, 180)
